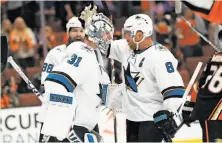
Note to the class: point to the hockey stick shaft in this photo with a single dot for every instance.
(189, 86)
(201, 35)
(187, 91)
(107, 11)
(25, 78)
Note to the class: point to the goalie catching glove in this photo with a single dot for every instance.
(87, 11)
(166, 124)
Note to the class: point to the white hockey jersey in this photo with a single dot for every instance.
(53, 58)
(151, 78)
(79, 73)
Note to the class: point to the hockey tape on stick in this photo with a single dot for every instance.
(191, 82)
(25, 78)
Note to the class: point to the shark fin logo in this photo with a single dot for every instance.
(131, 82)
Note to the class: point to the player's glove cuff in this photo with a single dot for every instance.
(186, 112)
(166, 124)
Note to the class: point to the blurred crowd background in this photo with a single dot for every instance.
(31, 25)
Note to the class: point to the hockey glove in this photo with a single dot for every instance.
(87, 12)
(166, 124)
(186, 112)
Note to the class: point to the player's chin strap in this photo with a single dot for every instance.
(137, 43)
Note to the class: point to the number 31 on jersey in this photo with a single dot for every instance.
(75, 60)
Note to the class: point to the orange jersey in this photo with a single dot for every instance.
(163, 28)
(145, 5)
(212, 14)
(4, 101)
(65, 39)
(14, 41)
(215, 14)
(52, 40)
(189, 36)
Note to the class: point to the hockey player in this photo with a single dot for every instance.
(73, 91)
(208, 106)
(153, 84)
(75, 31)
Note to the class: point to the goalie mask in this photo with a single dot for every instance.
(100, 31)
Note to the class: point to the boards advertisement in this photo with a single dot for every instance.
(20, 125)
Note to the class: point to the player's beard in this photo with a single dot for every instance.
(132, 46)
(78, 38)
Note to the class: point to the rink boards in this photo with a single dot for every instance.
(20, 125)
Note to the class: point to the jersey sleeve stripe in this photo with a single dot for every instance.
(174, 93)
(215, 114)
(177, 93)
(171, 88)
(67, 76)
(53, 80)
(62, 79)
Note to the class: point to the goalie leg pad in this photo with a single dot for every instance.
(59, 114)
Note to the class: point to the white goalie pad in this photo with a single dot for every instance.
(42, 111)
(59, 114)
(114, 96)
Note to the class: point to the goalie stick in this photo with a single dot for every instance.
(5, 59)
(25, 78)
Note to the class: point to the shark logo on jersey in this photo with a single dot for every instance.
(160, 47)
(132, 79)
(87, 48)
